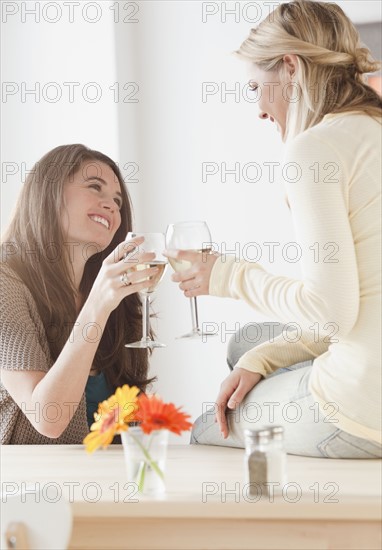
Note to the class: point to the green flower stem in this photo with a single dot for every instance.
(142, 468)
(141, 475)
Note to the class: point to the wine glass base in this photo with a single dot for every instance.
(145, 345)
(196, 335)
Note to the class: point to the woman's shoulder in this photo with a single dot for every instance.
(24, 344)
(350, 120)
(15, 294)
(10, 278)
(9, 272)
(340, 135)
(355, 125)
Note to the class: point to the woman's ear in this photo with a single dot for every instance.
(290, 63)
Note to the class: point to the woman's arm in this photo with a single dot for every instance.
(64, 383)
(289, 348)
(327, 295)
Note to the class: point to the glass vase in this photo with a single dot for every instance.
(145, 459)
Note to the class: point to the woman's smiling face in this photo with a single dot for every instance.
(91, 205)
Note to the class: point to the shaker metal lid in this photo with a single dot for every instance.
(275, 429)
(255, 435)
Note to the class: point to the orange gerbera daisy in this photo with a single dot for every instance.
(156, 415)
(112, 417)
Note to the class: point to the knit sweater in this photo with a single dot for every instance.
(24, 346)
(334, 193)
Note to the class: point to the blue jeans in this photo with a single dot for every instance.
(283, 398)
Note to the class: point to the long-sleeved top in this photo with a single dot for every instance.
(333, 187)
(24, 346)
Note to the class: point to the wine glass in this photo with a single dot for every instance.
(193, 236)
(154, 242)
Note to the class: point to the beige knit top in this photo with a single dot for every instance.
(24, 346)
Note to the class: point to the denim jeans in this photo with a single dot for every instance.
(283, 398)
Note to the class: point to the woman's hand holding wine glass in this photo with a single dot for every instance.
(118, 277)
(138, 265)
(189, 251)
(195, 279)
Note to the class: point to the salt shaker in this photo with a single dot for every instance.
(277, 474)
(257, 443)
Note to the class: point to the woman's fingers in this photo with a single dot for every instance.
(232, 392)
(126, 249)
(190, 284)
(133, 276)
(183, 255)
(226, 390)
(238, 395)
(137, 287)
(183, 276)
(132, 271)
(134, 260)
(194, 278)
(125, 271)
(220, 414)
(193, 263)
(130, 264)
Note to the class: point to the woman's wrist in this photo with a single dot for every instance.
(95, 310)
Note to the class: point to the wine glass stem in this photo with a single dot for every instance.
(194, 314)
(146, 319)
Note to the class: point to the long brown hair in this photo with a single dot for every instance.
(34, 247)
(331, 61)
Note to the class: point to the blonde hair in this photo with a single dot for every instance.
(331, 61)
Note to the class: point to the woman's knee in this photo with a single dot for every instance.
(250, 336)
(206, 431)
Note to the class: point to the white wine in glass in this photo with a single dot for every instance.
(154, 242)
(196, 237)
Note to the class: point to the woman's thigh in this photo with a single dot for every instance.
(286, 401)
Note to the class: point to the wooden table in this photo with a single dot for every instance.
(329, 504)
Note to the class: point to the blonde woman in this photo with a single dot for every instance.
(67, 305)
(320, 379)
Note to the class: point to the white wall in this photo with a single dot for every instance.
(168, 51)
(37, 51)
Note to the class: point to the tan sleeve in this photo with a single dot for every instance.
(289, 348)
(23, 343)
